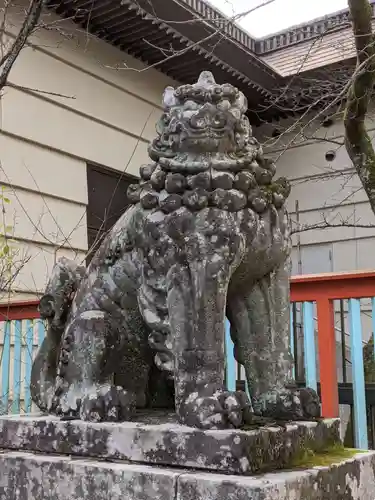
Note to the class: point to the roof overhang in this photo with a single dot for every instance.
(171, 37)
(181, 38)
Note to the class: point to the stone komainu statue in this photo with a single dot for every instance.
(206, 236)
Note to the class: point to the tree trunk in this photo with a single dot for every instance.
(357, 141)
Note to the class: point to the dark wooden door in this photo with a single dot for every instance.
(107, 201)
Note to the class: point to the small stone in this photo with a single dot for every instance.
(201, 180)
(146, 171)
(133, 193)
(175, 183)
(244, 181)
(148, 199)
(157, 179)
(169, 202)
(196, 199)
(222, 180)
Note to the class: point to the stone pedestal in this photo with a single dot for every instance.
(157, 439)
(44, 458)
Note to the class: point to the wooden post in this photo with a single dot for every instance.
(327, 357)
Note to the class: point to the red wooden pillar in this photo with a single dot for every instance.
(327, 357)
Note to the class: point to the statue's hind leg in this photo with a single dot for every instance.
(259, 316)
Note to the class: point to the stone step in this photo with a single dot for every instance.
(158, 439)
(28, 476)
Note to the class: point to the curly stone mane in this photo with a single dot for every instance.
(205, 155)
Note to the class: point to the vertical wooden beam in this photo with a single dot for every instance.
(230, 361)
(309, 345)
(327, 357)
(373, 321)
(359, 395)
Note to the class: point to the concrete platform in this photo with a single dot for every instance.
(27, 476)
(157, 439)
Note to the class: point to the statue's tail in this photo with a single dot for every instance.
(54, 307)
(44, 371)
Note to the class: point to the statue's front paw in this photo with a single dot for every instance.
(221, 410)
(290, 403)
(107, 403)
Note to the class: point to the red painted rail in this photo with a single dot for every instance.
(323, 289)
(19, 310)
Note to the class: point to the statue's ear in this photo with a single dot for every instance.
(47, 306)
(169, 99)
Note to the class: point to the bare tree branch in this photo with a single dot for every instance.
(31, 19)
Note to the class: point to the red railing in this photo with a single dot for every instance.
(19, 310)
(323, 289)
(320, 289)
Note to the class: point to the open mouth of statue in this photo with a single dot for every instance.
(207, 132)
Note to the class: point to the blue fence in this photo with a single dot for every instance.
(19, 341)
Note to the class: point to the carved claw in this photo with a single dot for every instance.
(222, 410)
(107, 403)
(288, 404)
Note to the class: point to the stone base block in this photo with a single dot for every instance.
(158, 440)
(27, 476)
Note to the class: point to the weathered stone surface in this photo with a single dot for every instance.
(26, 476)
(168, 443)
(352, 479)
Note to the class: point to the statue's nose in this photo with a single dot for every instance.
(204, 116)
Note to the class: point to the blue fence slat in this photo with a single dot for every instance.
(17, 352)
(291, 326)
(360, 419)
(28, 355)
(5, 364)
(230, 361)
(373, 321)
(309, 345)
(41, 332)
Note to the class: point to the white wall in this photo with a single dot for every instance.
(325, 192)
(67, 103)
